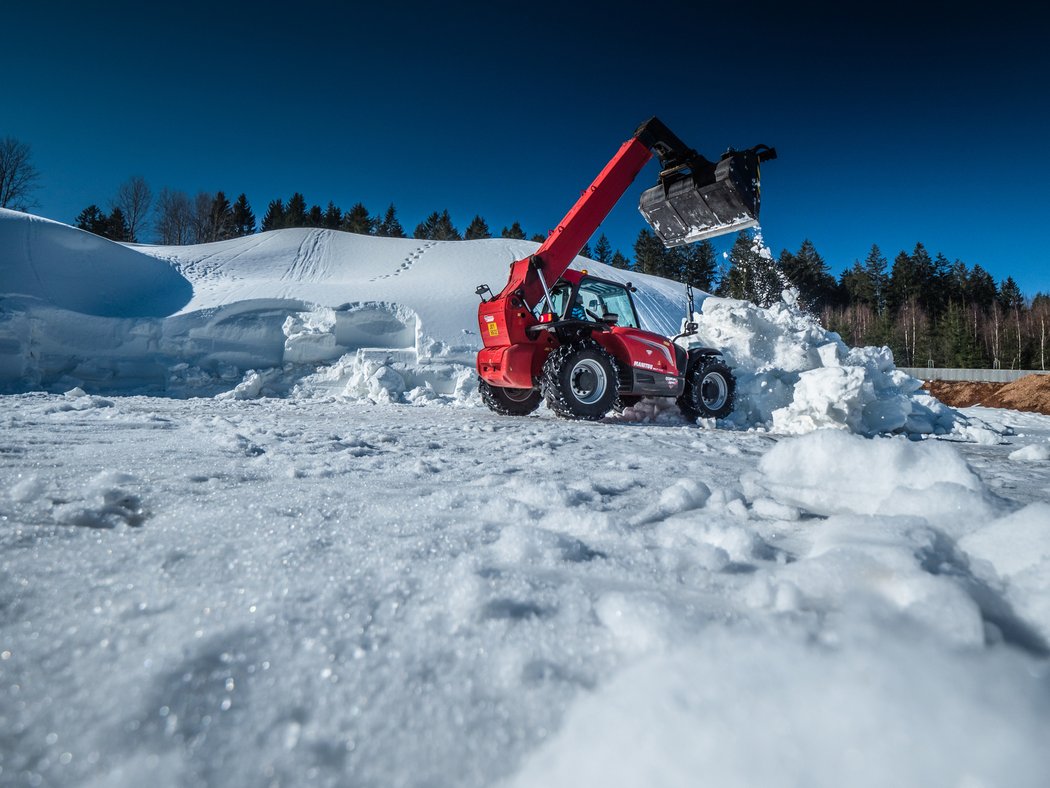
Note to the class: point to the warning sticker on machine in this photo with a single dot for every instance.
(493, 330)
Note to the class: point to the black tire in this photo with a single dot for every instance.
(710, 389)
(579, 381)
(509, 402)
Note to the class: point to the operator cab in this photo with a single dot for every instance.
(594, 300)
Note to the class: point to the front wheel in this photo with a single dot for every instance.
(509, 402)
(709, 390)
(579, 381)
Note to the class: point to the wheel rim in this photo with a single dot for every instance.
(588, 381)
(517, 395)
(714, 391)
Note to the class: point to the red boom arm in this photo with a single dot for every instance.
(556, 254)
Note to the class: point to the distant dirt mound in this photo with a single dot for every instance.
(1030, 393)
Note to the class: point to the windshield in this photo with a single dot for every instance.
(594, 301)
(606, 298)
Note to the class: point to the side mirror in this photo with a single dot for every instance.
(611, 318)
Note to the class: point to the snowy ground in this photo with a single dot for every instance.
(313, 558)
(316, 591)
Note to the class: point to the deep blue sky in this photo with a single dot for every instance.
(894, 125)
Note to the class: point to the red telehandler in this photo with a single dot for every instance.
(574, 339)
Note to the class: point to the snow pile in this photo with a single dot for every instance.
(754, 709)
(1015, 554)
(1034, 452)
(830, 472)
(794, 376)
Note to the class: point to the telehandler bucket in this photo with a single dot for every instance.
(705, 200)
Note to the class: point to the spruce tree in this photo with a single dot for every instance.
(514, 231)
(857, 285)
(357, 220)
(445, 230)
(295, 214)
(333, 217)
(698, 265)
(927, 281)
(117, 228)
(315, 217)
(537, 238)
(959, 345)
(243, 218)
(649, 255)
(809, 274)
(674, 262)
(752, 274)
(390, 227)
(875, 269)
(586, 252)
(92, 220)
(425, 229)
(220, 219)
(982, 288)
(938, 289)
(274, 218)
(904, 284)
(958, 283)
(619, 261)
(437, 227)
(602, 249)
(1010, 296)
(477, 229)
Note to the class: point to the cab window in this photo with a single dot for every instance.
(599, 299)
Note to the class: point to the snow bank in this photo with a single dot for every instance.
(84, 273)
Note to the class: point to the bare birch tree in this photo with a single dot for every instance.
(134, 198)
(174, 218)
(18, 176)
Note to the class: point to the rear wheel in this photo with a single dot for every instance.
(509, 402)
(709, 390)
(579, 381)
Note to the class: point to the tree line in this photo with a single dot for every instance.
(929, 310)
(177, 219)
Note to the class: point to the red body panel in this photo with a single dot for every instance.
(640, 349)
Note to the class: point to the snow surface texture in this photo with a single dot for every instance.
(375, 581)
(321, 591)
(378, 318)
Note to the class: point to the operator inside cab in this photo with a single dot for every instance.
(594, 300)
